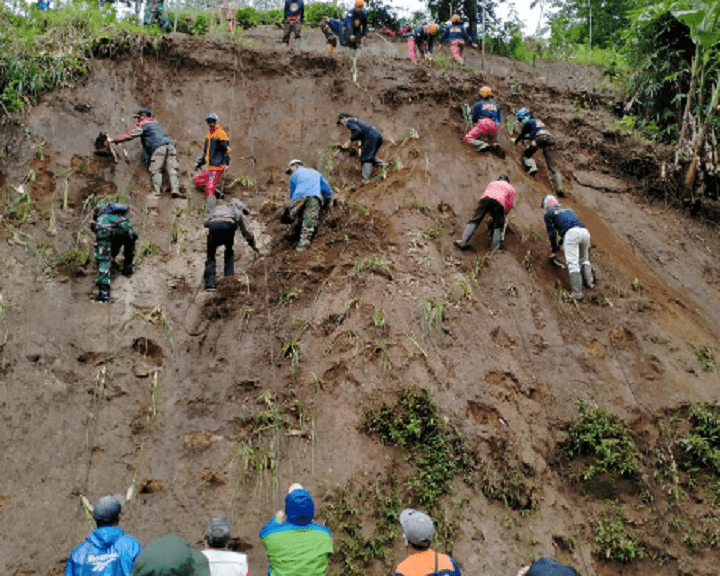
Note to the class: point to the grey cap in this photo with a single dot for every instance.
(218, 528)
(417, 526)
(107, 509)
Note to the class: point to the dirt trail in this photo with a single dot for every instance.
(163, 388)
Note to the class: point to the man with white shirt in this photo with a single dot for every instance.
(223, 562)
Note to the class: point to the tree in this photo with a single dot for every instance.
(600, 23)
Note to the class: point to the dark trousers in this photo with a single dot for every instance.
(370, 146)
(547, 145)
(492, 207)
(222, 234)
(291, 27)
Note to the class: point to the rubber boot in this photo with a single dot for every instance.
(576, 286)
(467, 235)
(128, 269)
(175, 187)
(157, 184)
(103, 293)
(530, 165)
(558, 184)
(209, 276)
(480, 145)
(496, 239)
(587, 276)
(210, 204)
(367, 170)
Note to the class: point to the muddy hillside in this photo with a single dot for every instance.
(383, 368)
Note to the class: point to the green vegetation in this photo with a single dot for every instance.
(605, 445)
(431, 313)
(699, 449)
(371, 263)
(614, 540)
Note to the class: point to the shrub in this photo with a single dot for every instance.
(315, 12)
(600, 436)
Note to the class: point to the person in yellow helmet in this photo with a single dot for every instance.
(355, 26)
(487, 118)
(455, 33)
(422, 38)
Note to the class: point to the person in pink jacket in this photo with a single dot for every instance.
(498, 200)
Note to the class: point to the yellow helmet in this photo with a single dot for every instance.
(330, 48)
(432, 28)
(359, 3)
(455, 18)
(486, 91)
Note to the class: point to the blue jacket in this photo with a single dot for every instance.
(360, 130)
(486, 108)
(455, 32)
(422, 37)
(106, 552)
(558, 220)
(349, 23)
(295, 8)
(337, 27)
(306, 182)
(532, 128)
(547, 567)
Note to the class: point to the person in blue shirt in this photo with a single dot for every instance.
(455, 33)
(294, 16)
(487, 118)
(308, 189)
(355, 26)
(422, 38)
(539, 136)
(547, 567)
(370, 140)
(107, 551)
(333, 31)
(565, 229)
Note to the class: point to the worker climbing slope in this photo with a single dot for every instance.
(487, 117)
(539, 136)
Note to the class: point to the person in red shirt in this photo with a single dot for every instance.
(498, 200)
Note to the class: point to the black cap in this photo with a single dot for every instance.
(504, 177)
(342, 115)
(142, 112)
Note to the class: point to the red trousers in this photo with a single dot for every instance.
(209, 179)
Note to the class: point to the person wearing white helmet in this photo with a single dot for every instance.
(308, 189)
(418, 530)
(565, 229)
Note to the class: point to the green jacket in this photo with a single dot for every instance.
(170, 556)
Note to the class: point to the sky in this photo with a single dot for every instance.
(529, 17)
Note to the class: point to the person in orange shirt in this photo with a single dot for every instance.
(216, 154)
(418, 530)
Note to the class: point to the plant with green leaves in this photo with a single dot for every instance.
(371, 263)
(614, 540)
(700, 448)
(604, 443)
(431, 313)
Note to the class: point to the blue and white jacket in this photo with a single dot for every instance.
(108, 551)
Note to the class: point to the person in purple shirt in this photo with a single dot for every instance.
(308, 189)
(107, 551)
(455, 33)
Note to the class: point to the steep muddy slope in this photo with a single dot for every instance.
(215, 403)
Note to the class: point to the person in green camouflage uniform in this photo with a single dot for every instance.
(155, 14)
(308, 189)
(111, 225)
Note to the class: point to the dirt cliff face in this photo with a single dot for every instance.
(212, 404)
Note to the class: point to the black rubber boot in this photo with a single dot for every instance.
(229, 263)
(103, 293)
(209, 276)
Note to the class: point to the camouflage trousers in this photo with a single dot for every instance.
(155, 13)
(303, 217)
(107, 247)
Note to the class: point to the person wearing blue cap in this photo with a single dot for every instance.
(539, 136)
(294, 544)
(418, 530)
(158, 150)
(107, 551)
(216, 154)
(547, 567)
